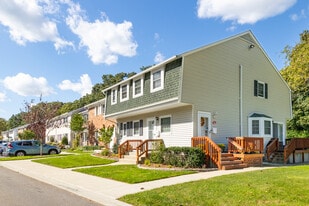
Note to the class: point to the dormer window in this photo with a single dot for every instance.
(114, 96)
(124, 92)
(157, 80)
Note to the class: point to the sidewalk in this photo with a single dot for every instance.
(101, 190)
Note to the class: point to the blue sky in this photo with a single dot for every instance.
(61, 48)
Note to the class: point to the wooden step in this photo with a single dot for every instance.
(234, 162)
(236, 166)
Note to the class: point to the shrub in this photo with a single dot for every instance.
(115, 148)
(91, 148)
(188, 157)
(64, 140)
(105, 152)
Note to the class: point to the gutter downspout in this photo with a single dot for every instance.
(240, 101)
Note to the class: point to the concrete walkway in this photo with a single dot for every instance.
(101, 190)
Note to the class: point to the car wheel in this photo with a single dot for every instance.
(20, 153)
(52, 152)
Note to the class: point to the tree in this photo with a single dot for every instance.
(106, 134)
(76, 125)
(91, 133)
(3, 125)
(296, 73)
(26, 134)
(38, 116)
(16, 120)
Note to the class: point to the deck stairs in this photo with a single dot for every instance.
(278, 156)
(229, 162)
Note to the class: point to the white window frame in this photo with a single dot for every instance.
(114, 93)
(261, 127)
(162, 117)
(152, 89)
(134, 87)
(138, 128)
(122, 99)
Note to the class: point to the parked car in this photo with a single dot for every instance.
(2, 146)
(29, 147)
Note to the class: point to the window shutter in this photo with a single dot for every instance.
(266, 91)
(121, 128)
(255, 87)
(141, 127)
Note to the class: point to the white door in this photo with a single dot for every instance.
(204, 124)
(151, 127)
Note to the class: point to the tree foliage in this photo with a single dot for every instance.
(77, 126)
(91, 133)
(3, 125)
(27, 134)
(16, 120)
(296, 73)
(106, 134)
(38, 116)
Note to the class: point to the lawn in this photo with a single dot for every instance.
(131, 173)
(71, 161)
(29, 157)
(279, 186)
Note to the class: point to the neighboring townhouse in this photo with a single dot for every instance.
(12, 134)
(225, 89)
(59, 127)
(96, 116)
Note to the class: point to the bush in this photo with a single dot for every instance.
(91, 148)
(187, 157)
(105, 152)
(115, 148)
(299, 134)
(64, 140)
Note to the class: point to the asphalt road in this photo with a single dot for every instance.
(19, 190)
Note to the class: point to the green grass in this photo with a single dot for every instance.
(29, 157)
(131, 173)
(72, 161)
(279, 186)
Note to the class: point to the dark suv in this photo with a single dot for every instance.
(29, 147)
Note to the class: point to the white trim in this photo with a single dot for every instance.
(165, 116)
(121, 92)
(261, 126)
(152, 89)
(114, 91)
(142, 87)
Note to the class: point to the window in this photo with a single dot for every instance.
(267, 127)
(157, 80)
(138, 87)
(114, 96)
(260, 89)
(136, 128)
(260, 125)
(255, 127)
(165, 124)
(99, 109)
(124, 92)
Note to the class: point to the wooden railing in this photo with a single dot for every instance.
(245, 144)
(272, 147)
(295, 144)
(210, 148)
(146, 146)
(128, 146)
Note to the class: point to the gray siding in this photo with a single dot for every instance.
(211, 82)
(172, 78)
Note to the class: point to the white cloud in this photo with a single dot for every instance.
(242, 11)
(301, 15)
(83, 87)
(26, 85)
(159, 57)
(27, 21)
(104, 40)
(2, 97)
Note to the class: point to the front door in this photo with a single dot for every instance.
(151, 127)
(204, 124)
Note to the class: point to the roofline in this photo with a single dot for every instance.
(94, 103)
